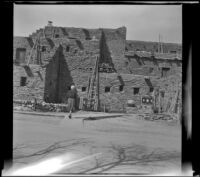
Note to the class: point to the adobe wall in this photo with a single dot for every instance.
(150, 66)
(70, 58)
(34, 85)
(152, 46)
(115, 100)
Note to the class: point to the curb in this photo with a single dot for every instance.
(39, 114)
(54, 115)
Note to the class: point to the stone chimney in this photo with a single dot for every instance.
(50, 23)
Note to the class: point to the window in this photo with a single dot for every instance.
(173, 51)
(20, 55)
(162, 93)
(150, 70)
(107, 89)
(165, 72)
(136, 91)
(57, 36)
(88, 38)
(43, 48)
(83, 89)
(67, 49)
(75, 51)
(23, 81)
(151, 89)
(121, 88)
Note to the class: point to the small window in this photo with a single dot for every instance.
(150, 70)
(83, 89)
(75, 51)
(162, 94)
(88, 38)
(67, 49)
(136, 91)
(20, 55)
(107, 89)
(165, 72)
(57, 36)
(23, 81)
(151, 89)
(44, 48)
(121, 88)
(173, 51)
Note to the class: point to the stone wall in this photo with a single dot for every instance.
(68, 56)
(34, 85)
(152, 46)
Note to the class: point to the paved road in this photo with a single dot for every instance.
(125, 144)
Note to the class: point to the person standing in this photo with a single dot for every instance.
(72, 94)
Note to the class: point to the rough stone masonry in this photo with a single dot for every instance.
(131, 69)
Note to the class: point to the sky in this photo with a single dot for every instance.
(143, 22)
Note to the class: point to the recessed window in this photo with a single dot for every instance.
(83, 89)
(150, 70)
(162, 94)
(75, 51)
(67, 49)
(136, 90)
(121, 88)
(165, 72)
(57, 36)
(173, 51)
(107, 89)
(20, 55)
(44, 48)
(23, 81)
(151, 89)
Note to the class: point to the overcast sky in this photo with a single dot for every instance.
(143, 22)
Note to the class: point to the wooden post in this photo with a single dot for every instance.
(97, 86)
(159, 101)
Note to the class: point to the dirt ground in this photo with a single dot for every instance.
(125, 145)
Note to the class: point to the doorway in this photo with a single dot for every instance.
(165, 72)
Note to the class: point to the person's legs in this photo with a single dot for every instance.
(71, 106)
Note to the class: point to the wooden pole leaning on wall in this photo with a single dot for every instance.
(97, 84)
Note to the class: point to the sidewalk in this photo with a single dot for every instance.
(78, 114)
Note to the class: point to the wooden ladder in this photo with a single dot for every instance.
(174, 101)
(93, 88)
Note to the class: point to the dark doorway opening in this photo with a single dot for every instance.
(165, 72)
(107, 89)
(136, 90)
(121, 88)
(23, 81)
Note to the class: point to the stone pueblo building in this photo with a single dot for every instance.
(128, 69)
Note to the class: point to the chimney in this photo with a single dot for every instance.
(50, 23)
